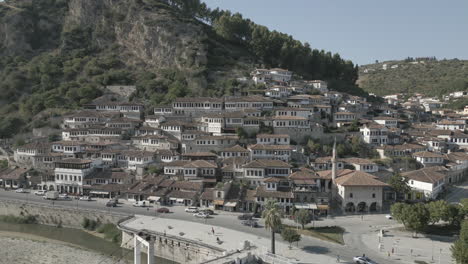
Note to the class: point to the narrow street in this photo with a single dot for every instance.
(457, 192)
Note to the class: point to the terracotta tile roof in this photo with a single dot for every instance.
(270, 147)
(199, 154)
(327, 174)
(274, 179)
(182, 195)
(12, 173)
(200, 164)
(75, 161)
(177, 163)
(235, 148)
(427, 154)
(187, 185)
(264, 163)
(358, 161)
(207, 194)
(304, 176)
(359, 178)
(428, 175)
(280, 193)
(289, 118)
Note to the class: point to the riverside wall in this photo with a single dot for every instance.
(57, 215)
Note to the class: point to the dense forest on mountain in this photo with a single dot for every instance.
(57, 55)
(429, 76)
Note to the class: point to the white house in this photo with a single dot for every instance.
(374, 134)
(70, 174)
(386, 121)
(426, 183)
(451, 125)
(427, 158)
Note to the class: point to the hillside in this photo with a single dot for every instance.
(429, 76)
(59, 54)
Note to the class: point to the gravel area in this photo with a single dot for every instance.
(21, 248)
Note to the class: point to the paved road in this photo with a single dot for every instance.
(354, 226)
(458, 192)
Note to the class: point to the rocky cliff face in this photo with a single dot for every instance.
(151, 36)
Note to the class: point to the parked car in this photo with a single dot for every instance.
(141, 204)
(207, 211)
(163, 210)
(21, 190)
(111, 203)
(40, 192)
(191, 210)
(201, 215)
(363, 260)
(64, 196)
(389, 216)
(245, 217)
(251, 223)
(85, 198)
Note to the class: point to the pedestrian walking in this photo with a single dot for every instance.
(212, 230)
(337, 258)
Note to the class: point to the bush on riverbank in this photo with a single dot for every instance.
(90, 224)
(28, 219)
(111, 232)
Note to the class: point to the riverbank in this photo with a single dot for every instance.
(21, 248)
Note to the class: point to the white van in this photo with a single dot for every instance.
(142, 204)
(191, 210)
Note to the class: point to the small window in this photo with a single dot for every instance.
(373, 195)
(351, 195)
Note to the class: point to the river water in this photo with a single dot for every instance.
(75, 237)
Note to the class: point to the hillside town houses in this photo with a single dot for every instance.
(236, 152)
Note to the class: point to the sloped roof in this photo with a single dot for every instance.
(264, 163)
(235, 148)
(200, 164)
(359, 178)
(427, 154)
(270, 147)
(428, 175)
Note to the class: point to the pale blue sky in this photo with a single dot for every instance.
(366, 30)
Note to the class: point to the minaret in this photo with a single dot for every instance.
(333, 160)
(333, 184)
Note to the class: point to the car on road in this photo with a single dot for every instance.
(245, 217)
(111, 203)
(163, 210)
(191, 210)
(21, 190)
(64, 196)
(389, 216)
(201, 215)
(40, 192)
(251, 223)
(207, 211)
(85, 198)
(141, 204)
(363, 260)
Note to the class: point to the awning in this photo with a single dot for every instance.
(99, 192)
(180, 200)
(218, 202)
(153, 198)
(230, 204)
(172, 199)
(311, 206)
(323, 206)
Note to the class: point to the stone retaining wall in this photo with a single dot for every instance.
(57, 215)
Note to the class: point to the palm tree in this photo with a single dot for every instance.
(272, 217)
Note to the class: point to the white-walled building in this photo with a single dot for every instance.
(374, 134)
(427, 158)
(70, 174)
(425, 183)
(358, 191)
